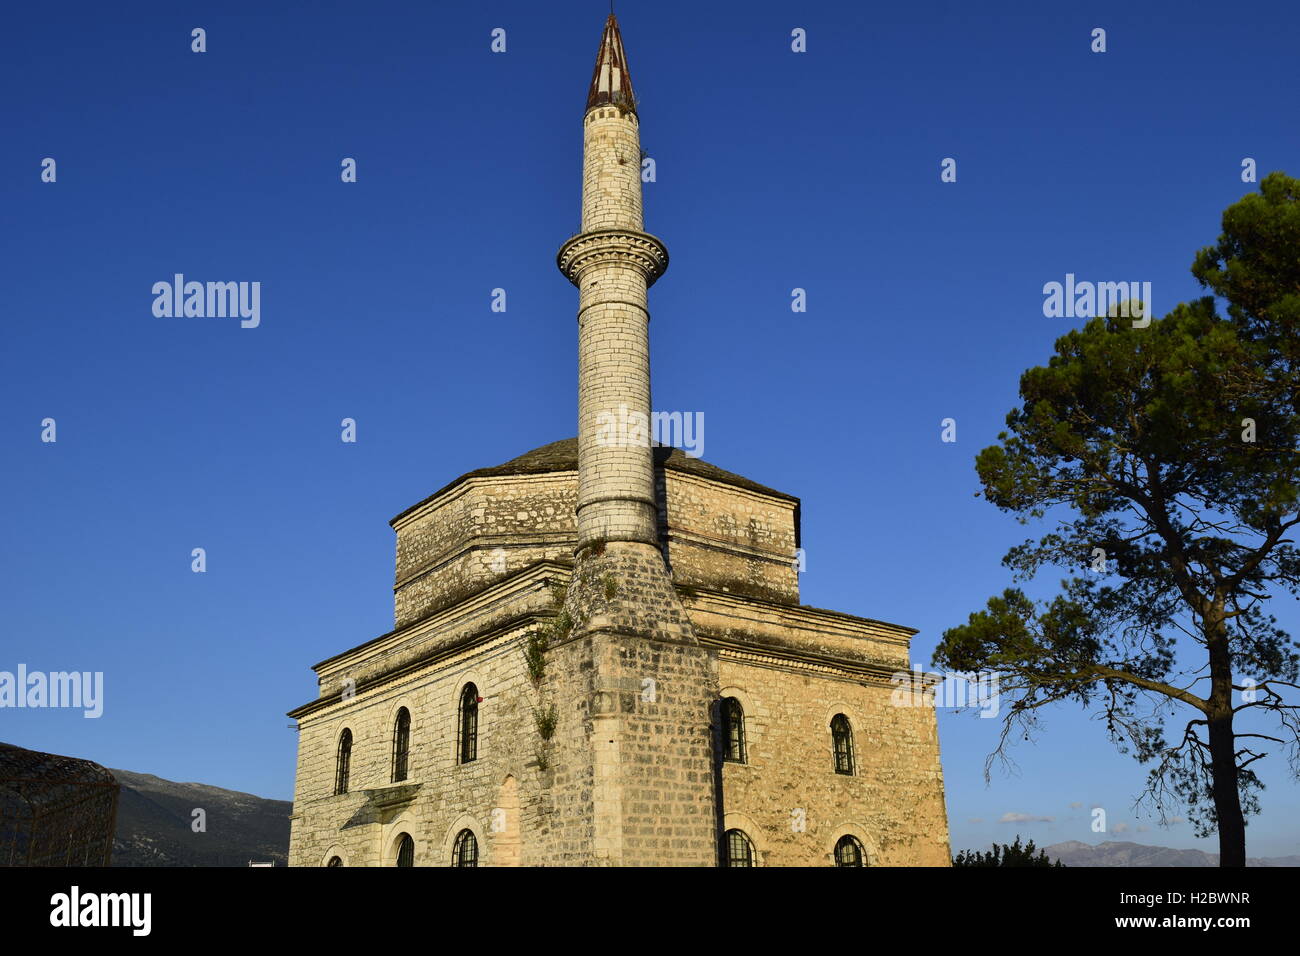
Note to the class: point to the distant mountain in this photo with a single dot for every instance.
(155, 818)
(1074, 853)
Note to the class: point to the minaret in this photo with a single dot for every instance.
(633, 776)
(613, 262)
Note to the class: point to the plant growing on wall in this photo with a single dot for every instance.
(536, 643)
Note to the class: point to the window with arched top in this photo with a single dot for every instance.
(848, 852)
(343, 766)
(736, 849)
(401, 744)
(405, 850)
(468, 724)
(842, 737)
(335, 861)
(465, 853)
(733, 730)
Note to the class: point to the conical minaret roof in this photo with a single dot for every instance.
(611, 83)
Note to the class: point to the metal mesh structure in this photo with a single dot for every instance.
(55, 811)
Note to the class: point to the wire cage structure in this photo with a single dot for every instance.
(54, 810)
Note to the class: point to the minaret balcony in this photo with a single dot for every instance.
(640, 250)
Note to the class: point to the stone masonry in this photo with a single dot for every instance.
(642, 762)
(595, 603)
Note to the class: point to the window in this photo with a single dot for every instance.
(842, 735)
(401, 744)
(344, 762)
(335, 861)
(469, 724)
(737, 850)
(406, 850)
(733, 731)
(848, 852)
(466, 851)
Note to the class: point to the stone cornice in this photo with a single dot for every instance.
(642, 251)
(486, 542)
(802, 663)
(726, 546)
(464, 484)
(794, 633)
(768, 496)
(816, 617)
(478, 643)
(530, 579)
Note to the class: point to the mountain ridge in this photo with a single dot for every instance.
(1113, 853)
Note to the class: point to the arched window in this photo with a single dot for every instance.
(401, 744)
(469, 724)
(466, 850)
(848, 852)
(405, 850)
(842, 735)
(737, 850)
(344, 765)
(733, 731)
(335, 861)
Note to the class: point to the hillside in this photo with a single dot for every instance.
(154, 821)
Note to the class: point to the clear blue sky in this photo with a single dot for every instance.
(775, 170)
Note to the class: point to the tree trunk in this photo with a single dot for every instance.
(1227, 796)
(1223, 744)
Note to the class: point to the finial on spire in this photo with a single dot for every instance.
(611, 82)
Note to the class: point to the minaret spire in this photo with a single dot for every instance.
(611, 83)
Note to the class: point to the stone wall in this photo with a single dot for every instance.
(893, 803)
(481, 531)
(629, 780)
(729, 539)
(633, 760)
(445, 795)
(628, 776)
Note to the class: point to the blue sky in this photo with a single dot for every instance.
(775, 170)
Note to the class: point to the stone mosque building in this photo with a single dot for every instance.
(599, 656)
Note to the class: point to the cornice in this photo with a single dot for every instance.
(531, 578)
(642, 251)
